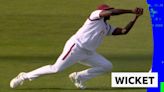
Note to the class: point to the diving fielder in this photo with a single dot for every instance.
(81, 48)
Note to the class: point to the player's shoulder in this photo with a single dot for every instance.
(96, 12)
(95, 15)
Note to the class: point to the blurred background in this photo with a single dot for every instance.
(33, 34)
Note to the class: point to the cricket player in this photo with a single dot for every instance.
(81, 48)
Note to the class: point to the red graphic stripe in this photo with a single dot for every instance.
(68, 52)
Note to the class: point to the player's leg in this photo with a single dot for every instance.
(99, 65)
(60, 65)
(66, 59)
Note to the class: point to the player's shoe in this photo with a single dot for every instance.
(18, 80)
(76, 81)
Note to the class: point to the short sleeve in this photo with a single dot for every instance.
(111, 30)
(95, 15)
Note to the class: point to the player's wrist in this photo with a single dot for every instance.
(135, 18)
(133, 12)
(130, 11)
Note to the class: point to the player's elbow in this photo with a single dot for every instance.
(124, 31)
(120, 31)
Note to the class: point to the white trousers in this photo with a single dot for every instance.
(73, 54)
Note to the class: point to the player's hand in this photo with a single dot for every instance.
(138, 11)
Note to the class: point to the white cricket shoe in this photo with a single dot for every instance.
(18, 80)
(76, 81)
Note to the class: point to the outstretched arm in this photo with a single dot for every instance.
(127, 28)
(114, 12)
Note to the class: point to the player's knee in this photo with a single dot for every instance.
(108, 67)
(55, 69)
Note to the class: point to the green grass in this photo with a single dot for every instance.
(33, 33)
(162, 87)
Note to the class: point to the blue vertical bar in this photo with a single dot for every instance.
(156, 7)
